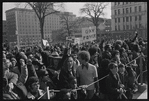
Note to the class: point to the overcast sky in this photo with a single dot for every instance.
(69, 6)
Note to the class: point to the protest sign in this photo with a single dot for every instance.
(45, 42)
(88, 34)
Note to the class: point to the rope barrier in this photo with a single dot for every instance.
(140, 74)
(133, 60)
(95, 81)
(98, 80)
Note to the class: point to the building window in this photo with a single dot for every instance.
(115, 20)
(126, 10)
(139, 25)
(140, 17)
(115, 28)
(118, 19)
(118, 27)
(123, 11)
(130, 10)
(118, 11)
(130, 18)
(135, 18)
(115, 12)
(136, 26)
(126, 2)
(123, 19)
(136, 9)
(127, 19)
(118, 3)
(130, 26)
(123, 27)
(127, 27)
(139, 8)
(123, 3)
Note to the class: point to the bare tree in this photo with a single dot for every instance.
(70, 23)
(44, 9)
(94, 11)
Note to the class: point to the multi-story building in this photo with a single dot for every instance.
(128, 17)
(23, 26)
(4, 31)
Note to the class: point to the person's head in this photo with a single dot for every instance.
(5, 69)
(8, 63)
(83, 57)
(130, 71)
(93, 51)
(108, 47)
(33, 84)
(22, 61)
(121, 68)
(56, 58)
(116, 54)
(29, 62)
(113, 67)
(68, 63)
(13, 61)
(117, 47)
(30, 56)
(43, 75)
(105, 63)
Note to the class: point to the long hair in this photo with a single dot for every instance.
(65, 66)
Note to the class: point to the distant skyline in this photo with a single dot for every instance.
(69, 7)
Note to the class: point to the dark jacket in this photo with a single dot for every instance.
(112, 85)
(124, 78)
(31, 70)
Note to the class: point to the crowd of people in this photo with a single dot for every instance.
(71, 71)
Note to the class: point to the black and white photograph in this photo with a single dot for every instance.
(74, 50)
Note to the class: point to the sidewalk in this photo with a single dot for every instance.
(139, 95)
(143, 95)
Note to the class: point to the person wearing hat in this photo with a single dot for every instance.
(55, 60)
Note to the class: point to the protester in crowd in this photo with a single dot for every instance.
(123, 56)
(45, 81)
(116, 57)
(14, 68)
(94, 56)
(66, 72)
(132, 79)
(33, 89)
(114, 87)
(104, 71)
(123, 77)
(31, 69)
(86, 74)
(10, 79)
(107, 53)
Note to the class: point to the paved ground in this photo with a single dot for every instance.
(141, 95)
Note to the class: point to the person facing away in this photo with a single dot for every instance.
(87, 74)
